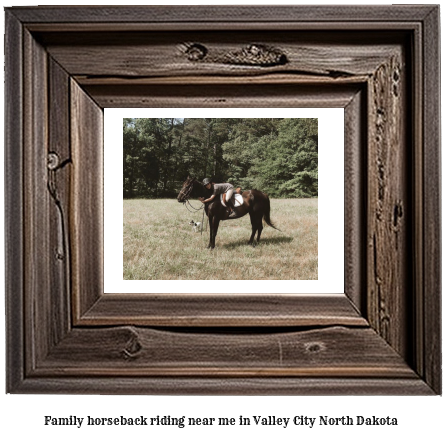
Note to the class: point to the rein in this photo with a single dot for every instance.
(193, 208)
(187, 195)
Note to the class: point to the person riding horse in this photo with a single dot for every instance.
(255, 203)
(219, 189)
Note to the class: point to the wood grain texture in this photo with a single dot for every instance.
(14, 239)
(288, 386)
(38, 310)
(86, 208)
(355, 193)
(417, 358)
(129, 351)
(431, 317)
(225, 14)
(232, 95)
(388, 204)
(108, 55)
(203, 310)
(262, 79)
(59, 179)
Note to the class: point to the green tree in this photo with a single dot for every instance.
(278, 156)
(286, 165)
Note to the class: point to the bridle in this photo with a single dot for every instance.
(186, 194)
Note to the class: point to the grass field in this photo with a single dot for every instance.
(159, 244)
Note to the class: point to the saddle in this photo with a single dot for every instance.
(238, 198)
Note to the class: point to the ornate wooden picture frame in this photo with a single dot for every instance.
(64, 65)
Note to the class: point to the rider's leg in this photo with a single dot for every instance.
(230, 202)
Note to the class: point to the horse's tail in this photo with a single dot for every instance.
(267, 213)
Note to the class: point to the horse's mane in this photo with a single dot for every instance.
(198, 189)
(194, 188)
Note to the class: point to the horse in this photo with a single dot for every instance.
(255, 203)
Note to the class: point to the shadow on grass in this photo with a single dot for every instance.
(263, 241)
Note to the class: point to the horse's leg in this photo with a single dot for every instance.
(210, 232)
(259, 228)
(215, 224)
(254, 228)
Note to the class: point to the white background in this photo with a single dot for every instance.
(330, 202)
(23, 414)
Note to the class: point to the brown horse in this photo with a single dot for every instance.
(255, 203)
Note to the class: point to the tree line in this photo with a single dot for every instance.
(278, 156)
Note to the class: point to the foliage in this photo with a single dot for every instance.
(278, 156)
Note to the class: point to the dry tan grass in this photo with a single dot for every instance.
(160, 245)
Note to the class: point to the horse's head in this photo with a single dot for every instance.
(185, 192)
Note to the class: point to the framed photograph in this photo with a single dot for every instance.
(165, 240)
(375, 325)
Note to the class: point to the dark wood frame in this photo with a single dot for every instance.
(64, 65)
